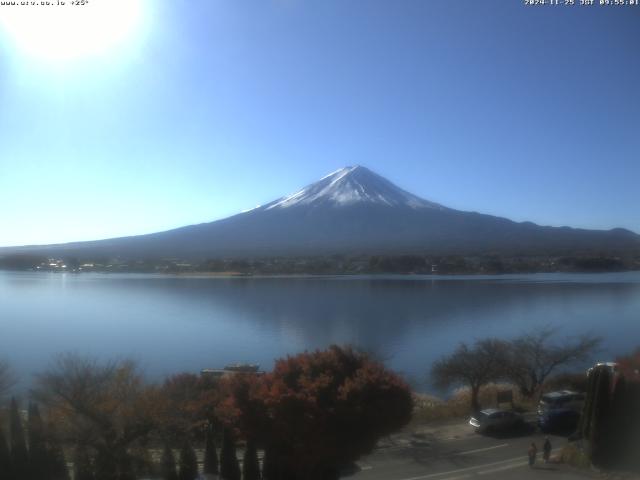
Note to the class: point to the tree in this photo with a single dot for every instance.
(472, 367)
(576, 381)
(322, 411)
(533, 357)
(229, 468)
(210, 454)
(625, 424)
(188, 462)
(250, 464)
(104, 406)
(600, 413)
(610, 420)
(126, 470)
(584, 424)
(168, 464)
(6, 471)
(106, 465)
(38, 455)
(58, 463)
(629, 366)
(46, 458)
(19, 452)
(188, 403)
(142, 461)
(7, 380)
(269, 465)
(83, 468)
(613, 417)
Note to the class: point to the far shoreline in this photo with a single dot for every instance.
(362, 275)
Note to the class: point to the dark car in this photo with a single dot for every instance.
(559, 420)
(493, 420)
(561, 400)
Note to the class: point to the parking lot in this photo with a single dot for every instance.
(454, 451)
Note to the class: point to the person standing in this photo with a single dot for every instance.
(533, 452)
(546, 450)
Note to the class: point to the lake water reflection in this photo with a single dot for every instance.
(172, 324)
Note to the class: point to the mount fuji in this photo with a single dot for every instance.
(350, 186)
(351, 211)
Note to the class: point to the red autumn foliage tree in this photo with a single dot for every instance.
(188, 403)
(243, 409)
(318, 412)
(611, 417)
(629, 366)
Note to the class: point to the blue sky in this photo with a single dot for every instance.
(207, 108)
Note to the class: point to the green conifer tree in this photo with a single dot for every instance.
(599, 417)
(229, 468)
(584, 423)
(19, 452)
(210, 454)
(617, 432)
(168, 464)
(188, 463)
(250, 464)
(6, 472)
(105, 465)
(126, 470)
(143, 462)
(38, 457)
(57, 463)
(269, 465)
(83, 468)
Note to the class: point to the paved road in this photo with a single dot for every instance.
(454, 452)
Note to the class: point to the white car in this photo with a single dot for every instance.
(493, 420)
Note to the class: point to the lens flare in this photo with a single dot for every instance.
(58, 30)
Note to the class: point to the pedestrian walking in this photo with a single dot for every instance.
(546, 450)
(533, 452)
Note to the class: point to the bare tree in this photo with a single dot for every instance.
(472, 366)
(7, 379)
(104, 406)
(534, 356)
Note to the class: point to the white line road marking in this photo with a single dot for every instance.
(506, 467)
(499, 466)
(410, 445)
(459, 470)
(454, 438)
(477, 450)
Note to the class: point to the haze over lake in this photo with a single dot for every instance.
(171, 324)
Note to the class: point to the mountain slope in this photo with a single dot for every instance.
(351, 186)
(352, 210)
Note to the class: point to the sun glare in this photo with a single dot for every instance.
(65, 30)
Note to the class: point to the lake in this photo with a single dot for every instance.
(176, 323)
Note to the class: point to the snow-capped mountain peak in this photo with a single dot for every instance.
(351, 186)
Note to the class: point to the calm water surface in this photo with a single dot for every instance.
(172, 324)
